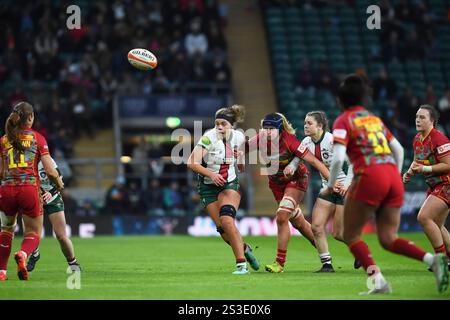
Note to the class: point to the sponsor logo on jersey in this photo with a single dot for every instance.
(444, 148)
(301, 148)
(340, 133)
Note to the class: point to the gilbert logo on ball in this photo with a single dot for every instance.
(142, 59)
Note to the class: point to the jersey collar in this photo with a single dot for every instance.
(321, 138)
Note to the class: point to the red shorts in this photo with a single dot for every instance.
(278, 189)
(378, 185)
(442, 191)
(20, 199)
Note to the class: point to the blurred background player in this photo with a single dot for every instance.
(214, 160)
(374, 153)
(54, 208)
(287, 181)
(320, 143)
(21, 149)
(432, 159)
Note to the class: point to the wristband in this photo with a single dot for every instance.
(427, 169)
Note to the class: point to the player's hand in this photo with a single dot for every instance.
(337, 186)
(46, 196)
(217, 179)
(326, 192)
(416, 168)
(407, 177)
(289, 171)
(342, 191)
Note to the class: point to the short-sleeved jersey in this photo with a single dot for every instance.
(21, 167)
(365, 136)
(428, 152)
(323, 150)
(288, 147)
(220, 156)
(46, 183)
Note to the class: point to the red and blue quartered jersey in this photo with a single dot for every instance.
(279, 154)
(429, 151)
(365, 136)
(21, 167)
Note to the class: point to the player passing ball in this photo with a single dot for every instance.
(213, 158)
(432, 160)
(377, 187)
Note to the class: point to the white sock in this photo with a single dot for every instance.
(2, 271)
(241, 265)
(380, 281)
(428, 259)
(325, 257)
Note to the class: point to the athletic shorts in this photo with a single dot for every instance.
(23, 200)
(334, 198)
(378, 185)
(56, 205)
(442, 191)
(278, 189)
(209, 193)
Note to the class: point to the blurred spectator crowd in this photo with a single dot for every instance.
(71, 76)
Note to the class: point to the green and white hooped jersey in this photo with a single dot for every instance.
(220, 157)
(46, 183)
(323, 150)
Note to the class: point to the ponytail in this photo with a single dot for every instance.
(287, 126)
(16, 122)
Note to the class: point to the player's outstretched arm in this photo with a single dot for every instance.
(316, 163)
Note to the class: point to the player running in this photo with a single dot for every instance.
(214, 160)
(288, 180)
(20, 149)
(320, 143)
(432, 159)
(377, 187)
(54, 209)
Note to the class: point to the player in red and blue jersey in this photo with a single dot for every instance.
(278, 146)
(432, 159)
(21, 148)
(377, 187)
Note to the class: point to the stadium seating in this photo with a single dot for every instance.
(303, 33)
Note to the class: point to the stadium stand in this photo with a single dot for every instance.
(314, 44)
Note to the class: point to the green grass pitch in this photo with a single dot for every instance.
(182, 267)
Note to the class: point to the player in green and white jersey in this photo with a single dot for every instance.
(320, 142)
(54, 209)
(214, 159)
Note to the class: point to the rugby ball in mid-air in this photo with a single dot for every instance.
(142, 59)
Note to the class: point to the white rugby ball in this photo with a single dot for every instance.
(142, 59)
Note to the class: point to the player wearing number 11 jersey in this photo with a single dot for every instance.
(20, 150)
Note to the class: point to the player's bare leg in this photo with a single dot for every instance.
(321, 213)
(446, 237)
(229, 202)
(213, 210)
(302, 225)
(432, 217)
(388, 222)
(285, 212)
(58, 222)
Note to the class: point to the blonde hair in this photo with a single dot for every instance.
(235, 112)
(287, 126)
